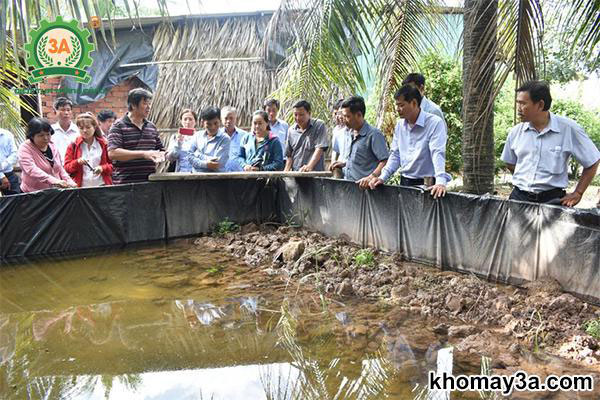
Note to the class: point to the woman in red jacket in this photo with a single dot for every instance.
(87, 159)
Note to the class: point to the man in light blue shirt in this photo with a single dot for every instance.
(235, 135)
(9, 181)
(209, 151)
(368, 151)
(418, 81)
(418, 147)
(341, 137)
(537, 150)
(278, 127)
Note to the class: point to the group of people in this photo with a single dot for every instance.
(104, 150)
(65, 154)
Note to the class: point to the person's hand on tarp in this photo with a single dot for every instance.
(571, 199)
(437, 191)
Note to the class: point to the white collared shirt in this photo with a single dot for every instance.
(62, 139)
(420, 150)
(541, 158)
(93, 155)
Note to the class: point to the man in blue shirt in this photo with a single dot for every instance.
(418, 146)
(368, 150)
(537, 150)
(9, 181)
(235, 135)
(278, 127)
(209, 151)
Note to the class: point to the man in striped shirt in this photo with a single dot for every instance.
(133, 142)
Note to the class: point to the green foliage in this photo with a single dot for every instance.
(443, 85)
(589, 121)
(364, 257)
(592, 328)
(225, 226)
(504, 119)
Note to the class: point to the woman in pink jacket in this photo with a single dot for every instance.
(41, 165)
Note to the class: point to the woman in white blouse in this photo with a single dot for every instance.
(87, 159)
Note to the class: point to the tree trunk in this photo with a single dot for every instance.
(479, 57)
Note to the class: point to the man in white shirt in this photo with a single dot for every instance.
(537, 150)
(235, 135)
(418, 147)
(65, 131)
(278, 127)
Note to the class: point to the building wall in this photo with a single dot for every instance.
(116, 99)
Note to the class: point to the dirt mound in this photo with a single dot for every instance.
(538, 317)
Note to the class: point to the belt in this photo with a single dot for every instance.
(404, 181)
(542, 196)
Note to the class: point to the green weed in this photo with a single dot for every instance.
(592, 328)
(364, 257)
(224, 227)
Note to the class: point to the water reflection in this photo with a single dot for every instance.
(151, 342)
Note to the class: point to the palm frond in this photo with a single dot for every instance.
(327, 36)
(585, 14)
(406, 28)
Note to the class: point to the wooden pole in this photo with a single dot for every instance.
(198, 60)
(187, 176)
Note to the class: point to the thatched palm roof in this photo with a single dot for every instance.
(196, 85)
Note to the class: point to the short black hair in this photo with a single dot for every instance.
(338, 104)
(210, 113)
(37, 125)
(105, 115)
(414, 77)
(271, 103)
(409, 93)
(61, 102)
(135, 96)
(538, 90)
(355, 104)
(303, 104)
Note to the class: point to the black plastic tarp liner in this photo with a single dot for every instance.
(66, 222)
(132, 47)
(501, 240)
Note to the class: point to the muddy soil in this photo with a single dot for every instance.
(538, 325)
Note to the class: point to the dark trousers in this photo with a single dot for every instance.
(15, 184)
(413, 182)
(549, 196)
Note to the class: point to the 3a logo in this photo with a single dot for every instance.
(59, 48)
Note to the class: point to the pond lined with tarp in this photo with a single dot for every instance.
(189, 320)
(179, 322)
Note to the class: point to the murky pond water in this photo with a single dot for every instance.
(183, 322)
